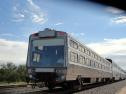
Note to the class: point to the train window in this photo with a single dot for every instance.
(96, 57)
(76, 57)
(103, 67)
(79, 48)
(99, 66)
(36, 57)
(81, 59)
(73, 44)
(73, 57)
(99, 58)
(96, 64)
(90, 63)
(83, 50)
(40, 47)
(89, 53)
(93, 55)
(84, 60)
(93, 63)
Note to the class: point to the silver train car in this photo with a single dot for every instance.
(55, 58)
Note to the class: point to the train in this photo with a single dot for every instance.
(55, 58)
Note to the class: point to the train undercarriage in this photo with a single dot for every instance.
(51, 81)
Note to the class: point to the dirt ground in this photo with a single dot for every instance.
(122, 91)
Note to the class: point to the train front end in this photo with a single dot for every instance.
(46, 60)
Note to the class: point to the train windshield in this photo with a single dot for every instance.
(48, 53)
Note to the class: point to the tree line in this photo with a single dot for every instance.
(9, 72)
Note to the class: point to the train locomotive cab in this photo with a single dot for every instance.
(46, 60)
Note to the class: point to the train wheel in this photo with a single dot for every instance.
(80, 82)
(65, 85)
(70, 85)
(50, 87)
(33, 86)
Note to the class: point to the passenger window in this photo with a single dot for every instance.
(83, 50)
(81, 59)
(73, 44)
(84, 60)
(79, 48)
(90, 63)
(95, 64)
(73, 57)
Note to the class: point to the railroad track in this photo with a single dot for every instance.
(71, 91)
(23, 89)
(13, 86)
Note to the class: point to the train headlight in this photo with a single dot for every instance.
(61, 77)
(60, 71)
(30, 76)
(29, 71)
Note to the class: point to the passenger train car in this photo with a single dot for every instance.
(56, 58)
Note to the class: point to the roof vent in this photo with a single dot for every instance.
(47, 29)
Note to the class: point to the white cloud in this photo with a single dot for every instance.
(7, 34)
(32, 11)
(120, 17)
(119, 20)
(114, 10)
(37, 19)
(113, 48)
(13, 51)
(18, 15)
(59, 23)
(110, 47)
(36, 14)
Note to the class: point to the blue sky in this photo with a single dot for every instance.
(69, 16)
(101, 27)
